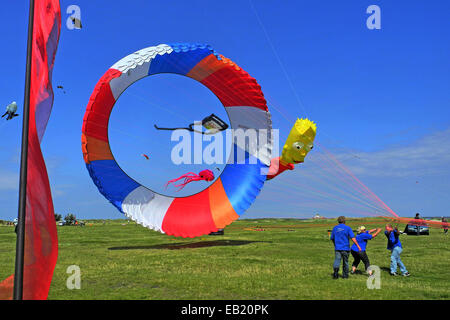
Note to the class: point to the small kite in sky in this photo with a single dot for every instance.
(212, 123)
(145, 156)
(76, 23)
(62, 88)
(205, 175)
(11, 111)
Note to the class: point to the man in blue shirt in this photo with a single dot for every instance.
(340, 236)
(395, 246)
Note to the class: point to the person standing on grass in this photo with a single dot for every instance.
(340, 236)
(445, 225)
(395, 246)
(362, 238)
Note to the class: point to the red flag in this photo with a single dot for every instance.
(41, 242)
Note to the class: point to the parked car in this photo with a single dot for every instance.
(414, 229)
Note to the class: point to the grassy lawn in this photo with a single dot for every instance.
(255, 259)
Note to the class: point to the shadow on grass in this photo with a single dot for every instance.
(190, 245)
(386, 269)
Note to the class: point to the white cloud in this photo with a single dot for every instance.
(429, 155)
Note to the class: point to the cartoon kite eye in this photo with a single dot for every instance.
(310, 146)
(298, 145)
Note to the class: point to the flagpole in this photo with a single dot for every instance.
(20, 243)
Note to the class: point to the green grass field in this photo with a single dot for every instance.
(285, 259)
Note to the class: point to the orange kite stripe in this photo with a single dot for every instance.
(222, 212)
(97, 150)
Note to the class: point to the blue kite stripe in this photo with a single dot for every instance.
(181, 60)
(111, 181)
(242, 182)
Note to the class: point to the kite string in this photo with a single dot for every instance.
(343, 192)
(337, 174)
(278, 58)
(370, 192)
(320, 196)
(346, 177)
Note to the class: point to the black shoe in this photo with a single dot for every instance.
(345, 276)
(406, 274)
(393, 274)
(336, 274)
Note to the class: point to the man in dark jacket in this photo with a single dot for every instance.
(395, 246)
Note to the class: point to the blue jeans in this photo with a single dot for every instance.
(395, 260)
(341, 254)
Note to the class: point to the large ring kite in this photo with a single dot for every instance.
(238, 185)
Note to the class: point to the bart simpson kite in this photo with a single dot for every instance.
(298, 144)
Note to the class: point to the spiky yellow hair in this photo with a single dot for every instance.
(303, 131)
(305, 125)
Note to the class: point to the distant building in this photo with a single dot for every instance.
(318, 216)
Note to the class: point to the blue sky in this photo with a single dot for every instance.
(380, 97)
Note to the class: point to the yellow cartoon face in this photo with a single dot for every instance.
(299, 142)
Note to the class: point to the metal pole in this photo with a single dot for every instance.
(20, 244)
